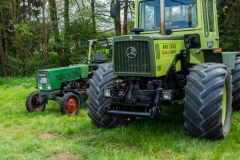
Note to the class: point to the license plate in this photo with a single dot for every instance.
(43, 80)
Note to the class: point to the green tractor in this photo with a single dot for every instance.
(67, 85)
(173, 55)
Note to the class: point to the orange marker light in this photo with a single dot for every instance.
(218, 50)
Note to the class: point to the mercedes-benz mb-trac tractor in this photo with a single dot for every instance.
(66, 85)
(173, 55)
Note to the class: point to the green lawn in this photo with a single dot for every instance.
(49, 135)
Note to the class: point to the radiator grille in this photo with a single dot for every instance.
(125, 63)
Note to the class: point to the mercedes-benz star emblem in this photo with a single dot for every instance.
(131, 52)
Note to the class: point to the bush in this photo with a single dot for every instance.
(37, 62)
(33, 63)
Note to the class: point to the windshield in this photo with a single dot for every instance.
(178, 14)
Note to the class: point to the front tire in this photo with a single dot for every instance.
(96, 102)
(70, 104)
(33, 104)
(207, 102)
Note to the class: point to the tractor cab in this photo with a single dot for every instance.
(192, 21)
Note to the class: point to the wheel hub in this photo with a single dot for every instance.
(72, 105)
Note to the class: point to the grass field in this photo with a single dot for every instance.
(49, 135)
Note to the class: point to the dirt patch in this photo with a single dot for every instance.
(66, 156)
(11, 129)
(88, 135)
(47, 136)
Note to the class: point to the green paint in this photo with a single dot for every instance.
(54, 77)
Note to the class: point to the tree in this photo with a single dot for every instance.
(13, 7)
(125, 18)
(62, 59)
(66, 28)
(117, 20)
(45, 34)
(2, 56)
(229, 26)
(93, 17)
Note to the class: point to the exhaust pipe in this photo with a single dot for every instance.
(162, 18)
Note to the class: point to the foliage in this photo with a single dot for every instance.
(80, 32)
(34, 62)
(52, 60)
(27, 39)
(26, 36)
(49, 135)
(229, 26)
(31, 40)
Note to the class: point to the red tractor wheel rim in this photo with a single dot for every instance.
(72, 105)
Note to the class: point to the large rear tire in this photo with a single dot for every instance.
(96, 102)
(236, 85)
(208, 99)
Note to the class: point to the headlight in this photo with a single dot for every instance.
(167, 95)
(48, 86)
(107, 93)
(40, 86)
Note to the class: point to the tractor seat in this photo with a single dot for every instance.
(99, 58)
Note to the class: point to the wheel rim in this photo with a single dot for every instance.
(224, 104)
(36, 105)
(72, 105)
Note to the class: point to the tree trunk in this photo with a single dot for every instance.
(4, 46)
(13, 11)
(117, 21)
(58, 44)
(66, 28)
(2, 56)
(24, 10)
(93, 17)
(45, 35)
(4, 31)
(125, 17)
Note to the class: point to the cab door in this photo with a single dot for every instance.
(210, 24)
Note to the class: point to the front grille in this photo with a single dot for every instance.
(125, 63)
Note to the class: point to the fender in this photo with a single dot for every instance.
(79, 96)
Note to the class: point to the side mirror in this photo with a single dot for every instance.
(222, 2)
(113, 10)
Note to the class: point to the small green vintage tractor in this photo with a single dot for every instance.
(173, 55)
(65, 84)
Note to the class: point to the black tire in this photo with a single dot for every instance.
(96, 102)
(70, 104)
(207, 102)
(33, 104)
(236, 85)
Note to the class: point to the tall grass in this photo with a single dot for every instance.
(50, 135)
